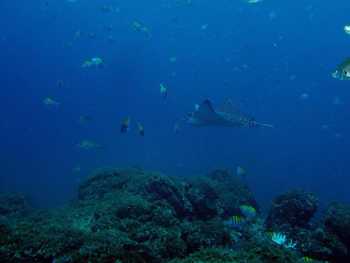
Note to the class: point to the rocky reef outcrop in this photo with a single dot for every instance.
(132, 215)
(337, 221)
(326, 239)
(13, 203)
(123, 214)
(292, 210)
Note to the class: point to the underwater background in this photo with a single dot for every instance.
(274, 59)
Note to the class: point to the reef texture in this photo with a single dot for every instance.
(11, 204)
(131, 216)
(293, 209)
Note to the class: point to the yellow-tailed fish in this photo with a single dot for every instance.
(248, 211)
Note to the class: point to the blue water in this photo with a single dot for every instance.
(263, 56)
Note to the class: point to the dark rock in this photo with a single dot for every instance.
(293, 209)
(164, 188)
(134, 216)
(107, 181)
(12, 204)
(199, 234)
(212, 255)
(220, 193)
(317, 243)
(204, 200)
(337, 222)
(220, 175)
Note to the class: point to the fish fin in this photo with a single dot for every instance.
(229, 107)
(205, 111)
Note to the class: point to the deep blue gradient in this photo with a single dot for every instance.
(263, 56)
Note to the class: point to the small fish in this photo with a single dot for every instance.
(86, 64)
(107, 8)
(92, 35)
(253, 1)
(176, 127)
(83, 119)
(141, 129)
(93, 62)
(48, 101)
(125, 125)
(139, 27)
(342, 71)
(60, 83)
(77, 34)
(88, 145)
(347, 29)
(163, 90)
(97, 61)
(235, 221)
(248, 211)
(304, 96)
(241, 172)
(76, 169)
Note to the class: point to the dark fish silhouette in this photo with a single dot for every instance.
(225, 116)
(141, 129)
(124, 127)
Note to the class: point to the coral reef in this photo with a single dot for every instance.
(293, 209)
(337, 221)
(131, 215)
(328, 239)
(11, 203)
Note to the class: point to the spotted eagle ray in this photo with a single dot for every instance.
(225, 116)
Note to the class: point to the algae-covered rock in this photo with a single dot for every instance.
(336, 232)
(164, 188)
(219, 193)
(120, 214)
(293, 209)
(212, 255)
(13, 204)
(135, 216)
(254, 254)
(337, 221)
(107, 181)
(202, 234)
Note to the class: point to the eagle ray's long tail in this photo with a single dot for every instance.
(264, 125)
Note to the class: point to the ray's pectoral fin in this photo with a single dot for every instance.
(229, 108)
(206, 112)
